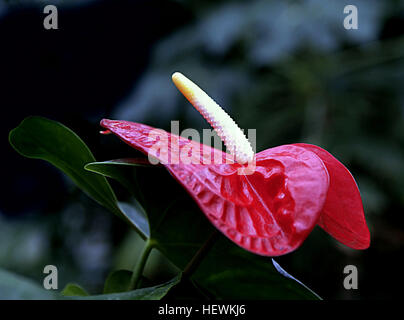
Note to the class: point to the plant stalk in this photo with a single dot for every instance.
(140, 264)
(200, 255)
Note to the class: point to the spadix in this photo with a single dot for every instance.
(234, 139)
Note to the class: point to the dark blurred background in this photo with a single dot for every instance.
(288, 69)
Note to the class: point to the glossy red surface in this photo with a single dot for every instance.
(342, 216)
(269, 212)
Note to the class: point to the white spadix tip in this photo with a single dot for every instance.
(232, 136)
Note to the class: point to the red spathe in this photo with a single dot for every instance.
(269, 212)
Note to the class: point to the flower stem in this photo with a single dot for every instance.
(198, 257)
(139, 267)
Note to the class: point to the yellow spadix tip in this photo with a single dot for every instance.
(232, 136)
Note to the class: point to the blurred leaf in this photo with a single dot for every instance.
(374, 198)
(117, 281)
(15, 287)
(74, 290)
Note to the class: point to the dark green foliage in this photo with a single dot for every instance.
(171, 222)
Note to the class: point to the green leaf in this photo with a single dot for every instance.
(176, 224)
(122, 171)
(136, 215)
(179, 229)
(306, 290)
(150, 293)
(41, 138)
(74, 290)
(15, 287)
(230, 272)
(117, 281)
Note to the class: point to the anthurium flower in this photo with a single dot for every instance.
(269, 210)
